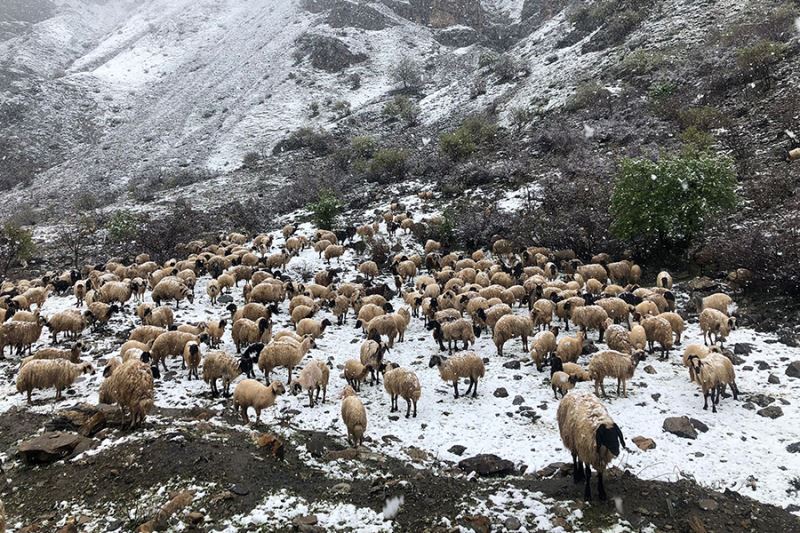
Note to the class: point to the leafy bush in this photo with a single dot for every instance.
(387, 164)
(325, 210)
(505, 68)
(477, 88)
(341, 108)
(123, 227)
(16, 247)
(756, 61)
(703, 118)
(319, 142)
(589, 94)
(407, 72)
(661, 204)
(402, 108)
(313, 109)
(641, 62)
(465, 140)
(695, 140)
(363, 146)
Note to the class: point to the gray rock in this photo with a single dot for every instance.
(742, 348)
(793, 448)
(761, 400)
(225, 299)
(501, 393)
(655, 396)
(50, 447)
(707, 504)
(775, 380)
(487, 465)
(457, 449)
(513, 365)
(763, 365)
(680, 426)
(650, 370)
(699, 426)
(342, 488)
(239, 490)
(512, 524)
(749, 406)
(793, 370)
(772, 411)
(518, 400)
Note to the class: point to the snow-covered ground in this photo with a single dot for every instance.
(741, 450)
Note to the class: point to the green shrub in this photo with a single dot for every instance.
(695, 140)
(407, 72)
(663, 204)
(589, 94)
(325, 210)
(123, 227)
(402, 108)
(319, 142)
(465, 140)
(363, 146)
(703, 118)
(16, 247)
(756, 61)
(387, 163)
(640, 62)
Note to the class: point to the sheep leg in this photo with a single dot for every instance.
(455, 387)
(705, 400)
(525, 343)
(601, 490)
(555, 392)
(624, 388)
(601, 334)
(471, 383)
(587, 491)
(735, 390)
(29, 397)
(258, 415)
(618, 384)
(408, 407)
(577, 468)
(310, 397)
(415, 408)
(316, 399)
(290, 376)
(597, 384)
(475, 390)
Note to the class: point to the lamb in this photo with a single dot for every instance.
(716, 322)
(334, 251)
(79, 291)
(659, 331)
(355, 372)
(570, 348)
(369, 269)
(454, 331)
(592, 437)
(589, 317)
(285, 352)
(562, 382)
(70, 321)
(73, 354)
(462, 365)
(215, 330)
(20, 335)
(251, 393)
(46, 373)
(216, 365)
(664, 280)
(713, 373)
(213, 290)
(145, 334)
(401, 382)
(315, 328)
(130, 386)
(162, 317)
(192, 358)
(100, 313)
(543, 347)
(313, 377)
(614, 364)
(354, 417)
(402, 319)
(699, 351)
(676, 323)
(509, 327)
(573, 369)
(245, 331)
(171, 288)
(719, 301)
(171, 343)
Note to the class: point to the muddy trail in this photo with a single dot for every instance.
(121, 486)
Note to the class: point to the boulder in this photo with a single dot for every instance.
(501, 393)
(643, 443)
(680, 426)
(793, 370)
(514, 364)
(774, 380)
(761, 400)
(487, 465)
(699, 426)
(772, 411)
(794, 447)
(457, 449)
(649, 369)
(742, 348)
(52, 446)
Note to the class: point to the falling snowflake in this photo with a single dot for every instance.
(653, 177)
(588, 131)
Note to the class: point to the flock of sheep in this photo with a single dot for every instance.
(457, 296)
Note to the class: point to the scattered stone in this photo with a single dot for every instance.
(71, 527)
(644, 443)
(513, 364)
(655, 396)
(390, 438)
(701, 284)
(225, 298)
(747, 368)
(761, 400)
(478, 523)
(310, 520)
(487, 465)
(50, 447)
(749, 406)
(416, 454)
(239, 490)
(707, 504)
(773, 379)
(271, 444)
(650, 370)
(512, 524)
(793, 448)
(742, 348)
(93, 424)
(772, 412)
(196, 517)
(763, 365)
(789, 339)
(347, 454)
(501, 393)
(680, 426)
(735, 359)
(699, 426)
(518, 400)
(342, 488)
(696, 525)
(457, 449)
(793, 370)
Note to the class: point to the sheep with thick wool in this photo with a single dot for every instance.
(70, 321)
(171, 343)
(192, 358)
(285, 352)
(162, 317)
(461, 365)
(454, 331)
(616, 309)
(542, 312)
(315, 328)
(570, 348)
(115, 292)
(618, 338)
(145, 334)
(371, 355)
(20, 335)
(658, 330)
(590, 435)
(510, 327)
(676, 323)
(562, 382)
(493, 314)
(383, 326)
(717, 323)
(73, 354)
(313, 378)
(713, 373)
(589, 317)
(219, 365)
(719, 301)
(130, 386)
(610, 363)
(543, 346)
(354, 416)
(252, 393)
(246, 331)
(699, 351)
(400, 382)
(50, 373)
(100, 313)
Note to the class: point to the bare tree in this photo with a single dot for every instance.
(407, 72)
(74, 239)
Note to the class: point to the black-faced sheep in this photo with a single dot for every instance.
(717, 323)
(713, 373)
(462, 365)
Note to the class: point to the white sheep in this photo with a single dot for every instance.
(251, 393)
(610, 363)
(401, 382)
(461, 365)
(313, 377)
(354, 416)
(47, 373)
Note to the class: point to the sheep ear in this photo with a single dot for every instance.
(599, 436)
(618, 431)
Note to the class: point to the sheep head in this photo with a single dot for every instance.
(277, 388)
(610, 438)
(436, 360)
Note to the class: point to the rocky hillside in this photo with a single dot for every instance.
(136, 104)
